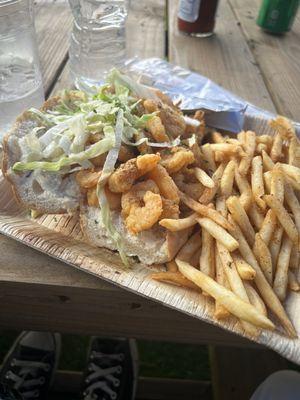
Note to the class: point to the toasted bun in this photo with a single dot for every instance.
(153, 246)
(43, 191)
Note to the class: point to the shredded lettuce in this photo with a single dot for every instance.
(107, 222)
(142, 91)
(108, 168)
(94, 150)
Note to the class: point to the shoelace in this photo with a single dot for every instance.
(105, 373)
(25, 380)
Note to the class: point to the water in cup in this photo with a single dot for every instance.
(98, 39)
(20, 77)
(20, 88)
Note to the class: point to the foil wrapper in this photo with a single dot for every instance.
(224, 110)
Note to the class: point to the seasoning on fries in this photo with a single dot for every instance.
(249, 215)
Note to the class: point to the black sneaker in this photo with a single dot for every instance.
(30, 364)
(111, 371)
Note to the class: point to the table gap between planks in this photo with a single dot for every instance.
(40, 293)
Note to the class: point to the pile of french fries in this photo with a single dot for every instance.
(244, 247)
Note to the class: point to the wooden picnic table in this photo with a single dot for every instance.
(38, 292)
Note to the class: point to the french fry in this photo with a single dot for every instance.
(221, 206)
(219, 233)
(175, 278)
(244, 188)
(242, 138)
(267, 181)
(172, 266)
(294, 152)
(204, 178)
(226, 148)
(250, 149)
(268, 164)
(257, 181)
(227, 179)
(277, 184)
(243, 310)
(268, 226)
(208, 156)
(165, 183)
(244, 269)
(293, 203)
(293, 283)
(217, 137)
(262, 254)
(265, 139)
(206, 260)
(190, 247)
(260, 147)
(175, 225)
(239, 215)
(235, 282)
(295, 258)
(256, 216)
(276, 150)
(220, 311)
(281, 275)
(283, 217)
(255, 299)
(262, 284)
(204, 210)
(292, 171)
(275, 245)
(283, 126)
(209, 193)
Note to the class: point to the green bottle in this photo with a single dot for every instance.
(277, 16)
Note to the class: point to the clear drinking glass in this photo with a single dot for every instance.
(97, 41)
(20, 77)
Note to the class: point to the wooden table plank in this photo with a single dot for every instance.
(39, 292)
(145, 28)
(53, 23)
(277, 57)
(224, 57)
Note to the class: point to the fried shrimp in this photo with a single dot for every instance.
(144, 217)
(172, 120)
(87, 179)
(179, 159)
(157, 129)
(124, 177)
(114, 199)
(147, 162)
(150, 106)
(135, 195)
(165, 183)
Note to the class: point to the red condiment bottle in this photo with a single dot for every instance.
(197, 17)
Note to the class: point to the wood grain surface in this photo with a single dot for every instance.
(276, 56)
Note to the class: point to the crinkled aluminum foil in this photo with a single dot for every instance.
(224, 109)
